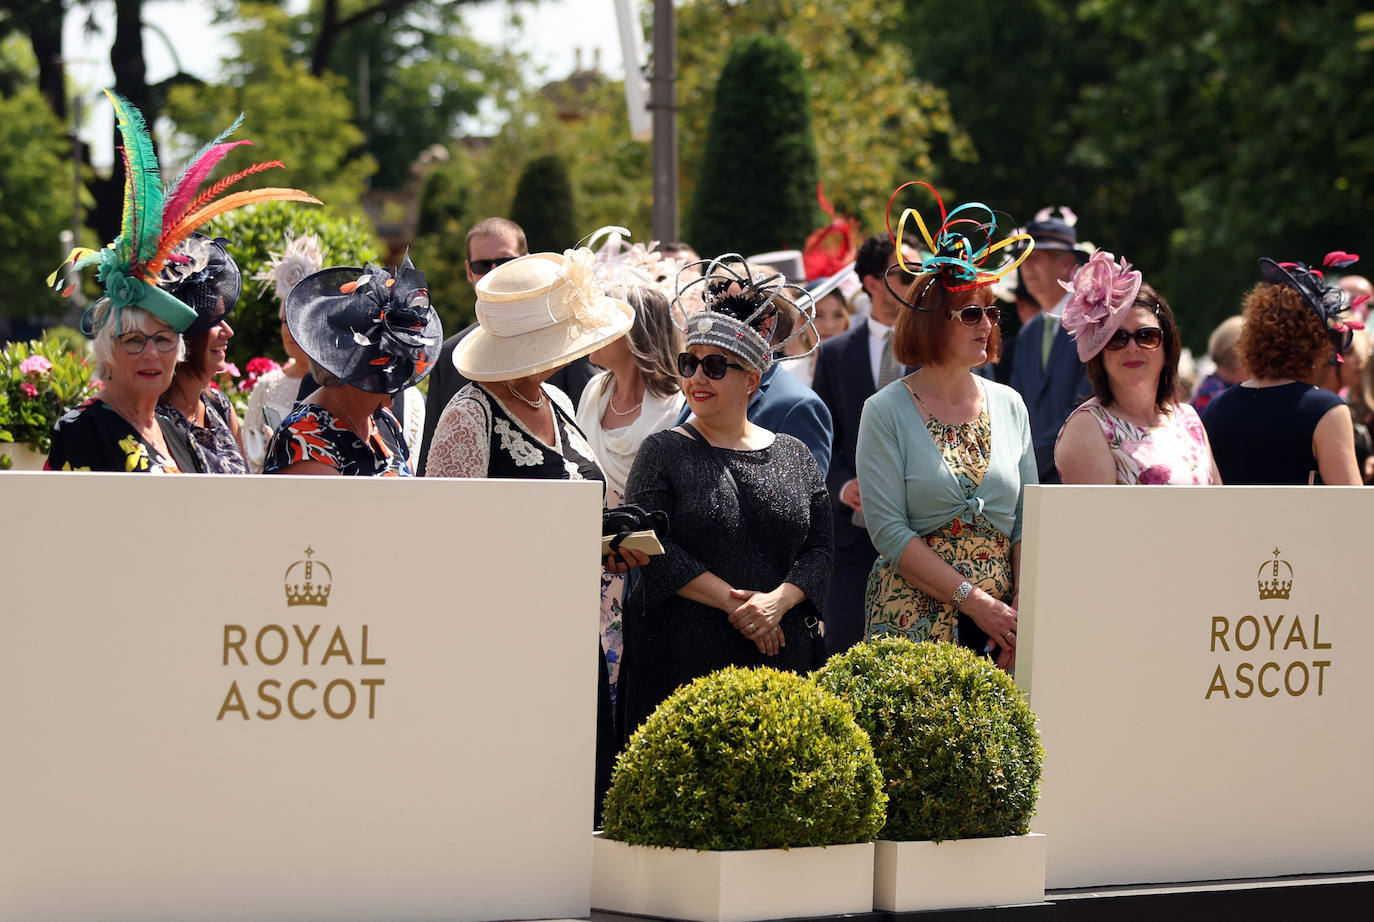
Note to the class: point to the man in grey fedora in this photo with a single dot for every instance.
(1046, 370)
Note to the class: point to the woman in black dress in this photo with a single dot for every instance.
(368, 334)
(744, 574)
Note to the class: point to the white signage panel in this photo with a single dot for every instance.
(292, 698)
(1198, 660)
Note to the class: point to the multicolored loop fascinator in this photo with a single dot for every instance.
(1329, 302)
(963, 251)
(157, 220)
(741, 309)
(374, 329)
(1101, 294)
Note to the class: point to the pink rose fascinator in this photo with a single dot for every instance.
(1100, 294)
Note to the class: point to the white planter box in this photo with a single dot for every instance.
(959, 873)
(677, 883)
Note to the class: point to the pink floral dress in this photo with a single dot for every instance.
(1174, 452)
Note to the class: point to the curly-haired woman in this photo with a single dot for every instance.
(1275, 427)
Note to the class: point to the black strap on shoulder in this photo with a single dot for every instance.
(711, 449)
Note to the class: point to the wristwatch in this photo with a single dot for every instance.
(961, 594)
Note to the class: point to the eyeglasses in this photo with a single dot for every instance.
(483, 266)
(135, 343)
(1145, 338)
(714, 365)
(972, 315)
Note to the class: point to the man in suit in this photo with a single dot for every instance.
(1046, 370)
(491, 242)
(850, 368)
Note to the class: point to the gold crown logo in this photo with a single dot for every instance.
(306, 591)
(1275, 588)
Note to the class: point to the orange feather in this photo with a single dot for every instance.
(237, 200)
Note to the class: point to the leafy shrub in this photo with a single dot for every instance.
(955, 740)
(744, 759)
(258, 231)
(39, 381)
(543, 205)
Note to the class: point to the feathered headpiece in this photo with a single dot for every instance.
(830, 249)
(156, 221)
(1101, 293)
(304, 255)
(961, 247)
(1328, 302)
(739, 299)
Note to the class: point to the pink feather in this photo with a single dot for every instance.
(1339, 259)
(183, 191)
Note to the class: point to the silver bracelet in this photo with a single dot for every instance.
(962, 593)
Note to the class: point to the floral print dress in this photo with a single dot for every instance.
(1174, 452)
(311, 433)
(94, 437)
(975, 548)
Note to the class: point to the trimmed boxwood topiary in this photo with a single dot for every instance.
(744, 759)
(956, 742)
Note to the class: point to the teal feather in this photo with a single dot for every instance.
(141, 227)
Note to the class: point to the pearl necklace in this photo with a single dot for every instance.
(610, 402)
(532, 404)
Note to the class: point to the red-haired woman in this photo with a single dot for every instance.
(1275, 427)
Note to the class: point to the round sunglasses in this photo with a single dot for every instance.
(1145, 338)
(714, 365)
(972, 315)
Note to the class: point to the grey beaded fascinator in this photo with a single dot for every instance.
(749, 312)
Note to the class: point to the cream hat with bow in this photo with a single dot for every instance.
(538, 313)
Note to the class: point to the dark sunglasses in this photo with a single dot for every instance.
(483, 266)
(135, 343)
(1145, 338)
(714, 365)
(972, 315)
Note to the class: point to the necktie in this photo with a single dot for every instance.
(1051, 326)
(888, 369)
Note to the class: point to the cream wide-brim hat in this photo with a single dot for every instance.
(539, 312)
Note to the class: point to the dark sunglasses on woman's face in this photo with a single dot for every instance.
(714, 365)
(972, 315)
(483, 266)
(1145, 338)
(135, 343)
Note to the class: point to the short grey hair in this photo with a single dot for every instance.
(133, 319)
(323, 376)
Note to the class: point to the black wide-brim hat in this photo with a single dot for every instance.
(374, 330)
(201, 274)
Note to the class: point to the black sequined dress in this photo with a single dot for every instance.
(784, 535)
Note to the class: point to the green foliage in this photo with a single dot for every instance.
(876, 121)
(302, 120)
(35, 202)
(543, 205)
(744, 759)
(757, 188)
(257, 232)
(424, 74)
(956, 742)
(31, 401)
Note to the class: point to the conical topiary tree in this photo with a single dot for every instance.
(543, 205)
(757, 190)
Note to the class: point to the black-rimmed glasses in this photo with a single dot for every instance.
(483, 266)
(1145, 338)
(714, 365)
(135, 343)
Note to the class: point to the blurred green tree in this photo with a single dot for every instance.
(757, 188)
(543, 205)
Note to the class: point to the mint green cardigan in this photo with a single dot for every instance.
(908, 490)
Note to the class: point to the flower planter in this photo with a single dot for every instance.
(958, 873)
(674, 883)
(21, 457)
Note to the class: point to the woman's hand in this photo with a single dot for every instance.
(759, 616)
(624, 560)
(997, 620)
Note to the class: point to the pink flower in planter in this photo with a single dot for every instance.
(231, 369)
(29, 390)
(35, 365)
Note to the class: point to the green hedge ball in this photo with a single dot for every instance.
(746, 759)
(954, 738)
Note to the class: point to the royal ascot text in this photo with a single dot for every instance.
(297, 696)
(1274, 674)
